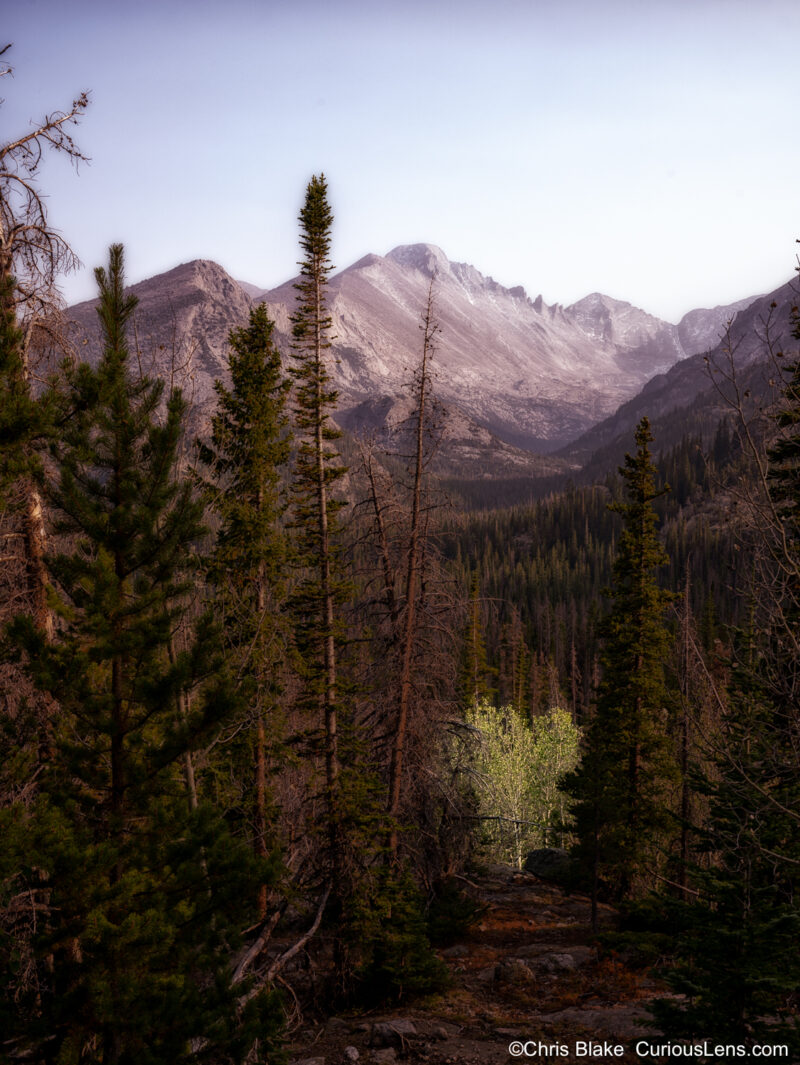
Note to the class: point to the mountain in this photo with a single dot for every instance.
(514, 374)
(695, 393)
(181, 327)
(534, 375)
(460, 447)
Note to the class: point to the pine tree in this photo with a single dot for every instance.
(736, 965)
(249, 448)
(736, 954)
(314, 511)
(144, 894)
(477, 675)
(621, 783)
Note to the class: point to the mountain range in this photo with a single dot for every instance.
(518, 378)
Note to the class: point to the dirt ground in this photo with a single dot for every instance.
(526, 972)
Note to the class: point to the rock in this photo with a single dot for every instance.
(549, 863)
(556, 963)
(458, 951)
(486, 976)
(391, 1033)
(350, 1055)
(440, 1033)
(310, 1061)
(512, 971)
(387, 1056)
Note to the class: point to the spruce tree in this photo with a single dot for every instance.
(620, 786)
(736, 965)
(476, 673)
(736, 959)
(242, 480)
(144, 894)
(314, 511)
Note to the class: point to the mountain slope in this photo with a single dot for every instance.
(181, 327)
(696, 390)
(534, 374)
(508, 368)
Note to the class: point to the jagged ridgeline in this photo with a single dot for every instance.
(517, 378)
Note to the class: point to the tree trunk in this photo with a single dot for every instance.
(412, 576)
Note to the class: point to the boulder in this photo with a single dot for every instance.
(549, 863)
(392, 1033)
(512, 971)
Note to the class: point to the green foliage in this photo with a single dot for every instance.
(518, 768)
(736, 957)
(626, 768)
(141, 895)
(397, 961)
(250, 444)
(241, 474)
(451, 912)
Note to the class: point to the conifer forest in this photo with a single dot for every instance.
(274, 695)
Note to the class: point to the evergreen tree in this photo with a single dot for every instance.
(620, 786)
(737, 969)
(736, 954)
(476, 674)
(314, 511)
(144, 895)
(249, 447)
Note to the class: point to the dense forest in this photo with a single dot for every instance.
(279, 686)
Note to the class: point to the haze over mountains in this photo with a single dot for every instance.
(514, 374)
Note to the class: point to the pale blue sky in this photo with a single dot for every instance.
(648, 150)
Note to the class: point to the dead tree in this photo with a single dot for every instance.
(32, 256)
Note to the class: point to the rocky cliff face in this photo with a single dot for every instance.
(535, 375)
(181, 328)
(703, 379)
(530, 375)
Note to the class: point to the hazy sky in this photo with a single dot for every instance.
(648, 150)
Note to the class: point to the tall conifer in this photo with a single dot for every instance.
(737, 965)
(621, 783)
(144, 894)
(250, 444)
(317, 470)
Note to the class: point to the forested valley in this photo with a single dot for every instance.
(271, 694)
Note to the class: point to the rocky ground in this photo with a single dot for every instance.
(527, 971)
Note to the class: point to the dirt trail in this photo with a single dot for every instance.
(527, 971)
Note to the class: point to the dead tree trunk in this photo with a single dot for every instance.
(409, 627)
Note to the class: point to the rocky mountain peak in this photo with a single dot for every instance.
(598, 303)
(533, 375)
(701, 329)
(427, 258)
